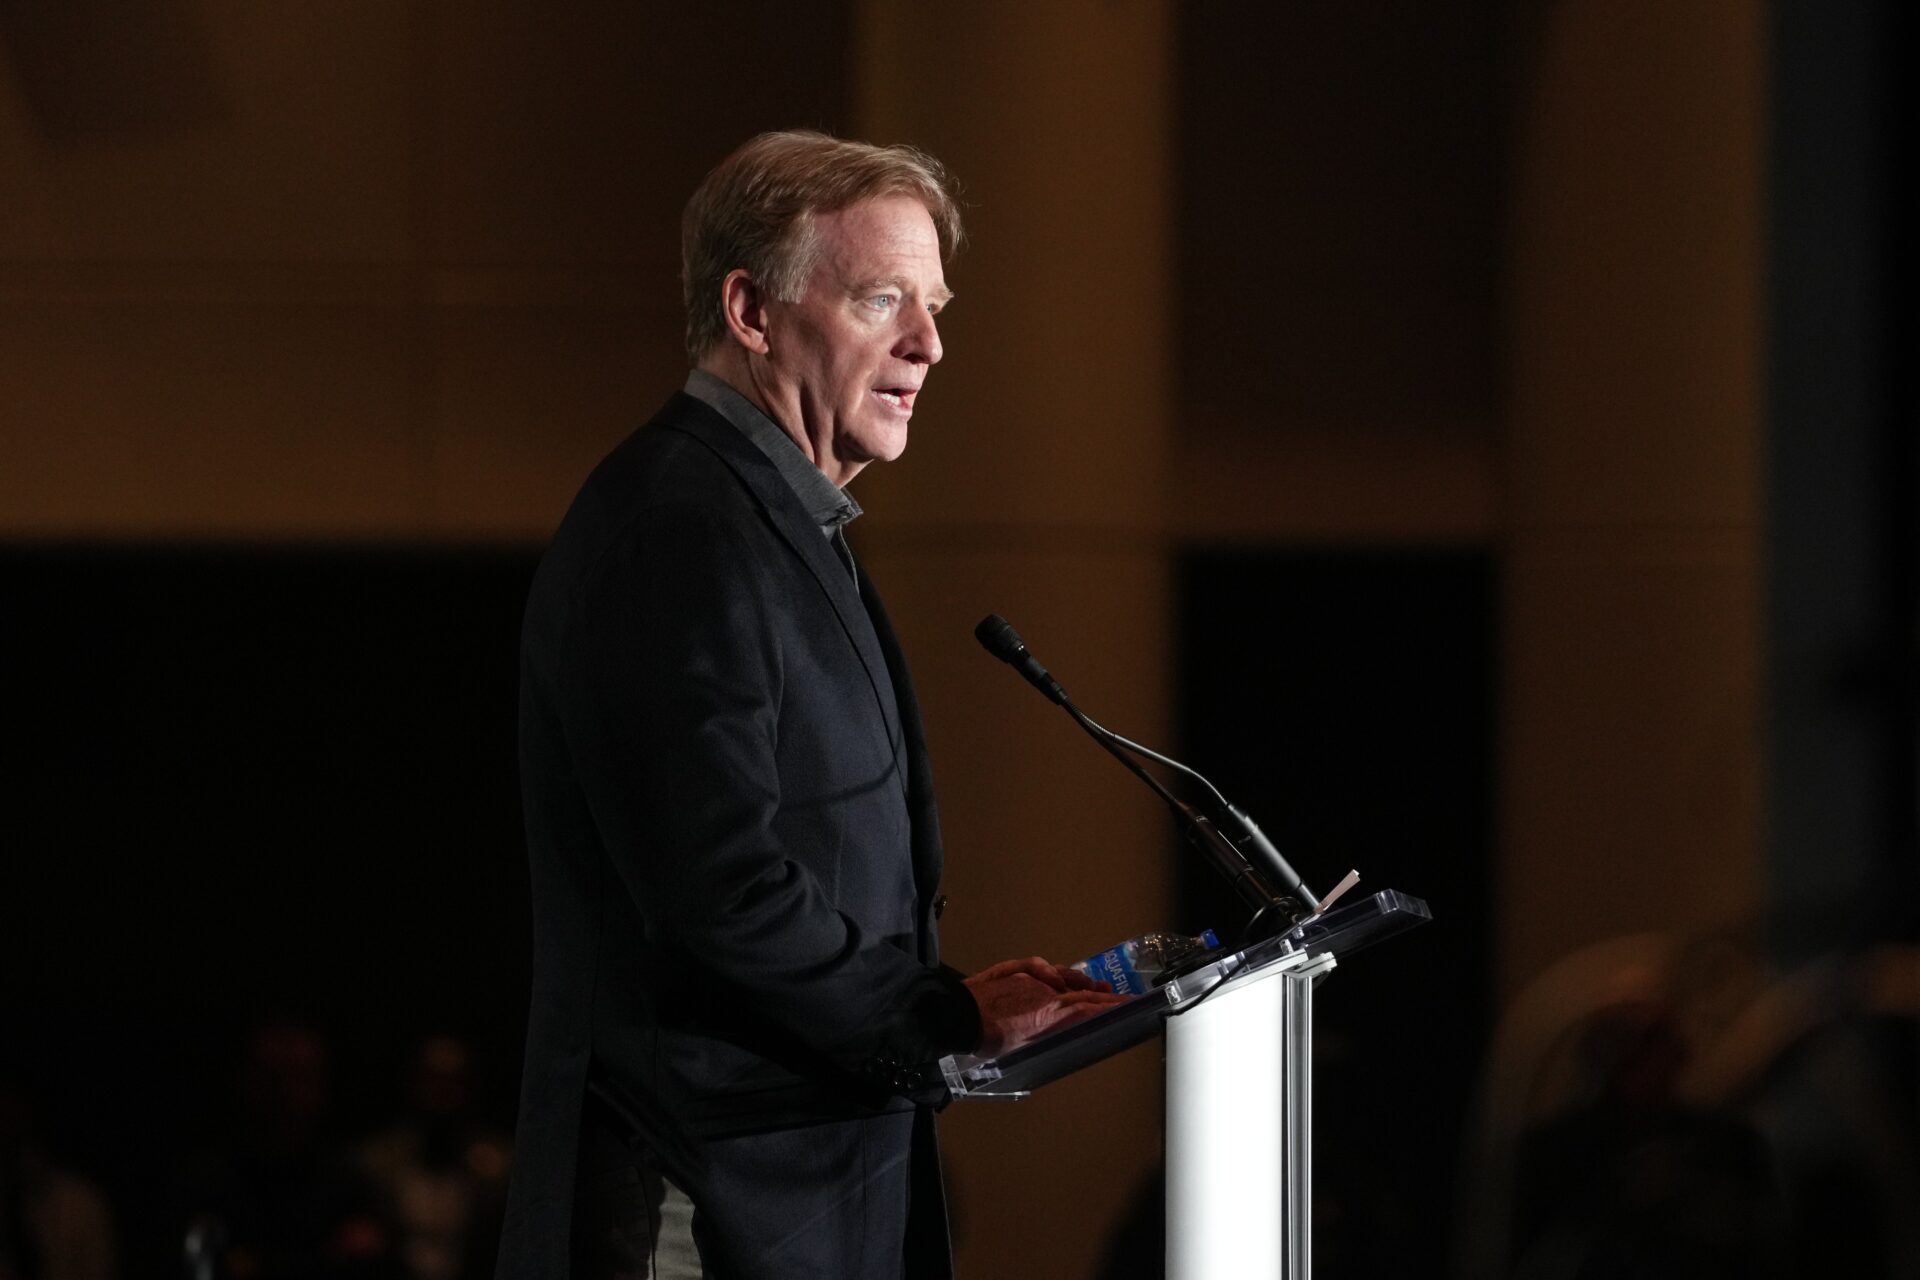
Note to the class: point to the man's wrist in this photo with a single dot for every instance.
(959, 1026)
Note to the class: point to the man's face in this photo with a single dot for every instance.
(845, 364)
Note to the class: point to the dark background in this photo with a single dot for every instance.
(252, 786)
(256, 736)
(299, 800)
(1353, 694)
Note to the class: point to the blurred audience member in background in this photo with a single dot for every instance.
(54, 1225)
(1631, 1178)
(441, 1171)
(284, 1201)
(1656, 1105)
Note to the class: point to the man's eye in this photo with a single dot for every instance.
(881, 301)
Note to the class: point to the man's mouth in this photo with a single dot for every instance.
(898, 397)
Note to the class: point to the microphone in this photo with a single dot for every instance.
(999, 638)
(1238, 849)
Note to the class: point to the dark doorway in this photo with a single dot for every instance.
(246, 785)
(1346, 700)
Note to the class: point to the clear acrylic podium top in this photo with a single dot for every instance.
(1338, 932)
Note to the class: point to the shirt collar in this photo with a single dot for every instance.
(830, 506)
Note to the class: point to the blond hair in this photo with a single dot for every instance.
(756, 210)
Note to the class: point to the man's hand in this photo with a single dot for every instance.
(1022, 1000)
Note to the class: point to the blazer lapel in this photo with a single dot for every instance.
(922, 811)
(705, 424)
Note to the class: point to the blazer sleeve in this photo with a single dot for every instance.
(669, 684)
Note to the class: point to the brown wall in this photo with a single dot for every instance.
(404, 271)
(1632, 535)
(1337, 312)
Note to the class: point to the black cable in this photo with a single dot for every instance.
(1217, 983)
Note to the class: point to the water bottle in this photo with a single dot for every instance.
(1140, 964)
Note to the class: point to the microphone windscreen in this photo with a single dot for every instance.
(999, 638)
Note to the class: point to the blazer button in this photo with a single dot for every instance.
(939, 906)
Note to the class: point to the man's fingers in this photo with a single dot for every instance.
(1078, 1006)
(1078, 981)
(1063, 977)
(1055, 976)
(1100, 999)
(1003, 969)
(1059, 977)
(1018, 1007)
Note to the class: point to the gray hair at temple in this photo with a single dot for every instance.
(755, 212)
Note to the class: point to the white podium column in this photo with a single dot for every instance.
(1240, 1129)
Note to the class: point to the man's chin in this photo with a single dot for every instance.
(879, 446)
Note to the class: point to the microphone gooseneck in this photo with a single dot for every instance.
(1228, 838)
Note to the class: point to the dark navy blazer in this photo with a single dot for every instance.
(732, 834)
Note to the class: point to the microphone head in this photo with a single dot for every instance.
(999, 638)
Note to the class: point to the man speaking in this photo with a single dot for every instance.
(730, 821)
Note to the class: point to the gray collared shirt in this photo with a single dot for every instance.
(831, 507)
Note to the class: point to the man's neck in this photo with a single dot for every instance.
(730, 364)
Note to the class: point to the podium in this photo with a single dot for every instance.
(1239, 1086)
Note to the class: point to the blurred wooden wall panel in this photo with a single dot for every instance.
(1631, 724)
(1337, 308)
(530, 392)
(362, 269)
(301, 152)
(236, 417)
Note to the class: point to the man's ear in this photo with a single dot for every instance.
(745, 307)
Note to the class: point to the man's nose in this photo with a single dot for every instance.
(921, 341)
